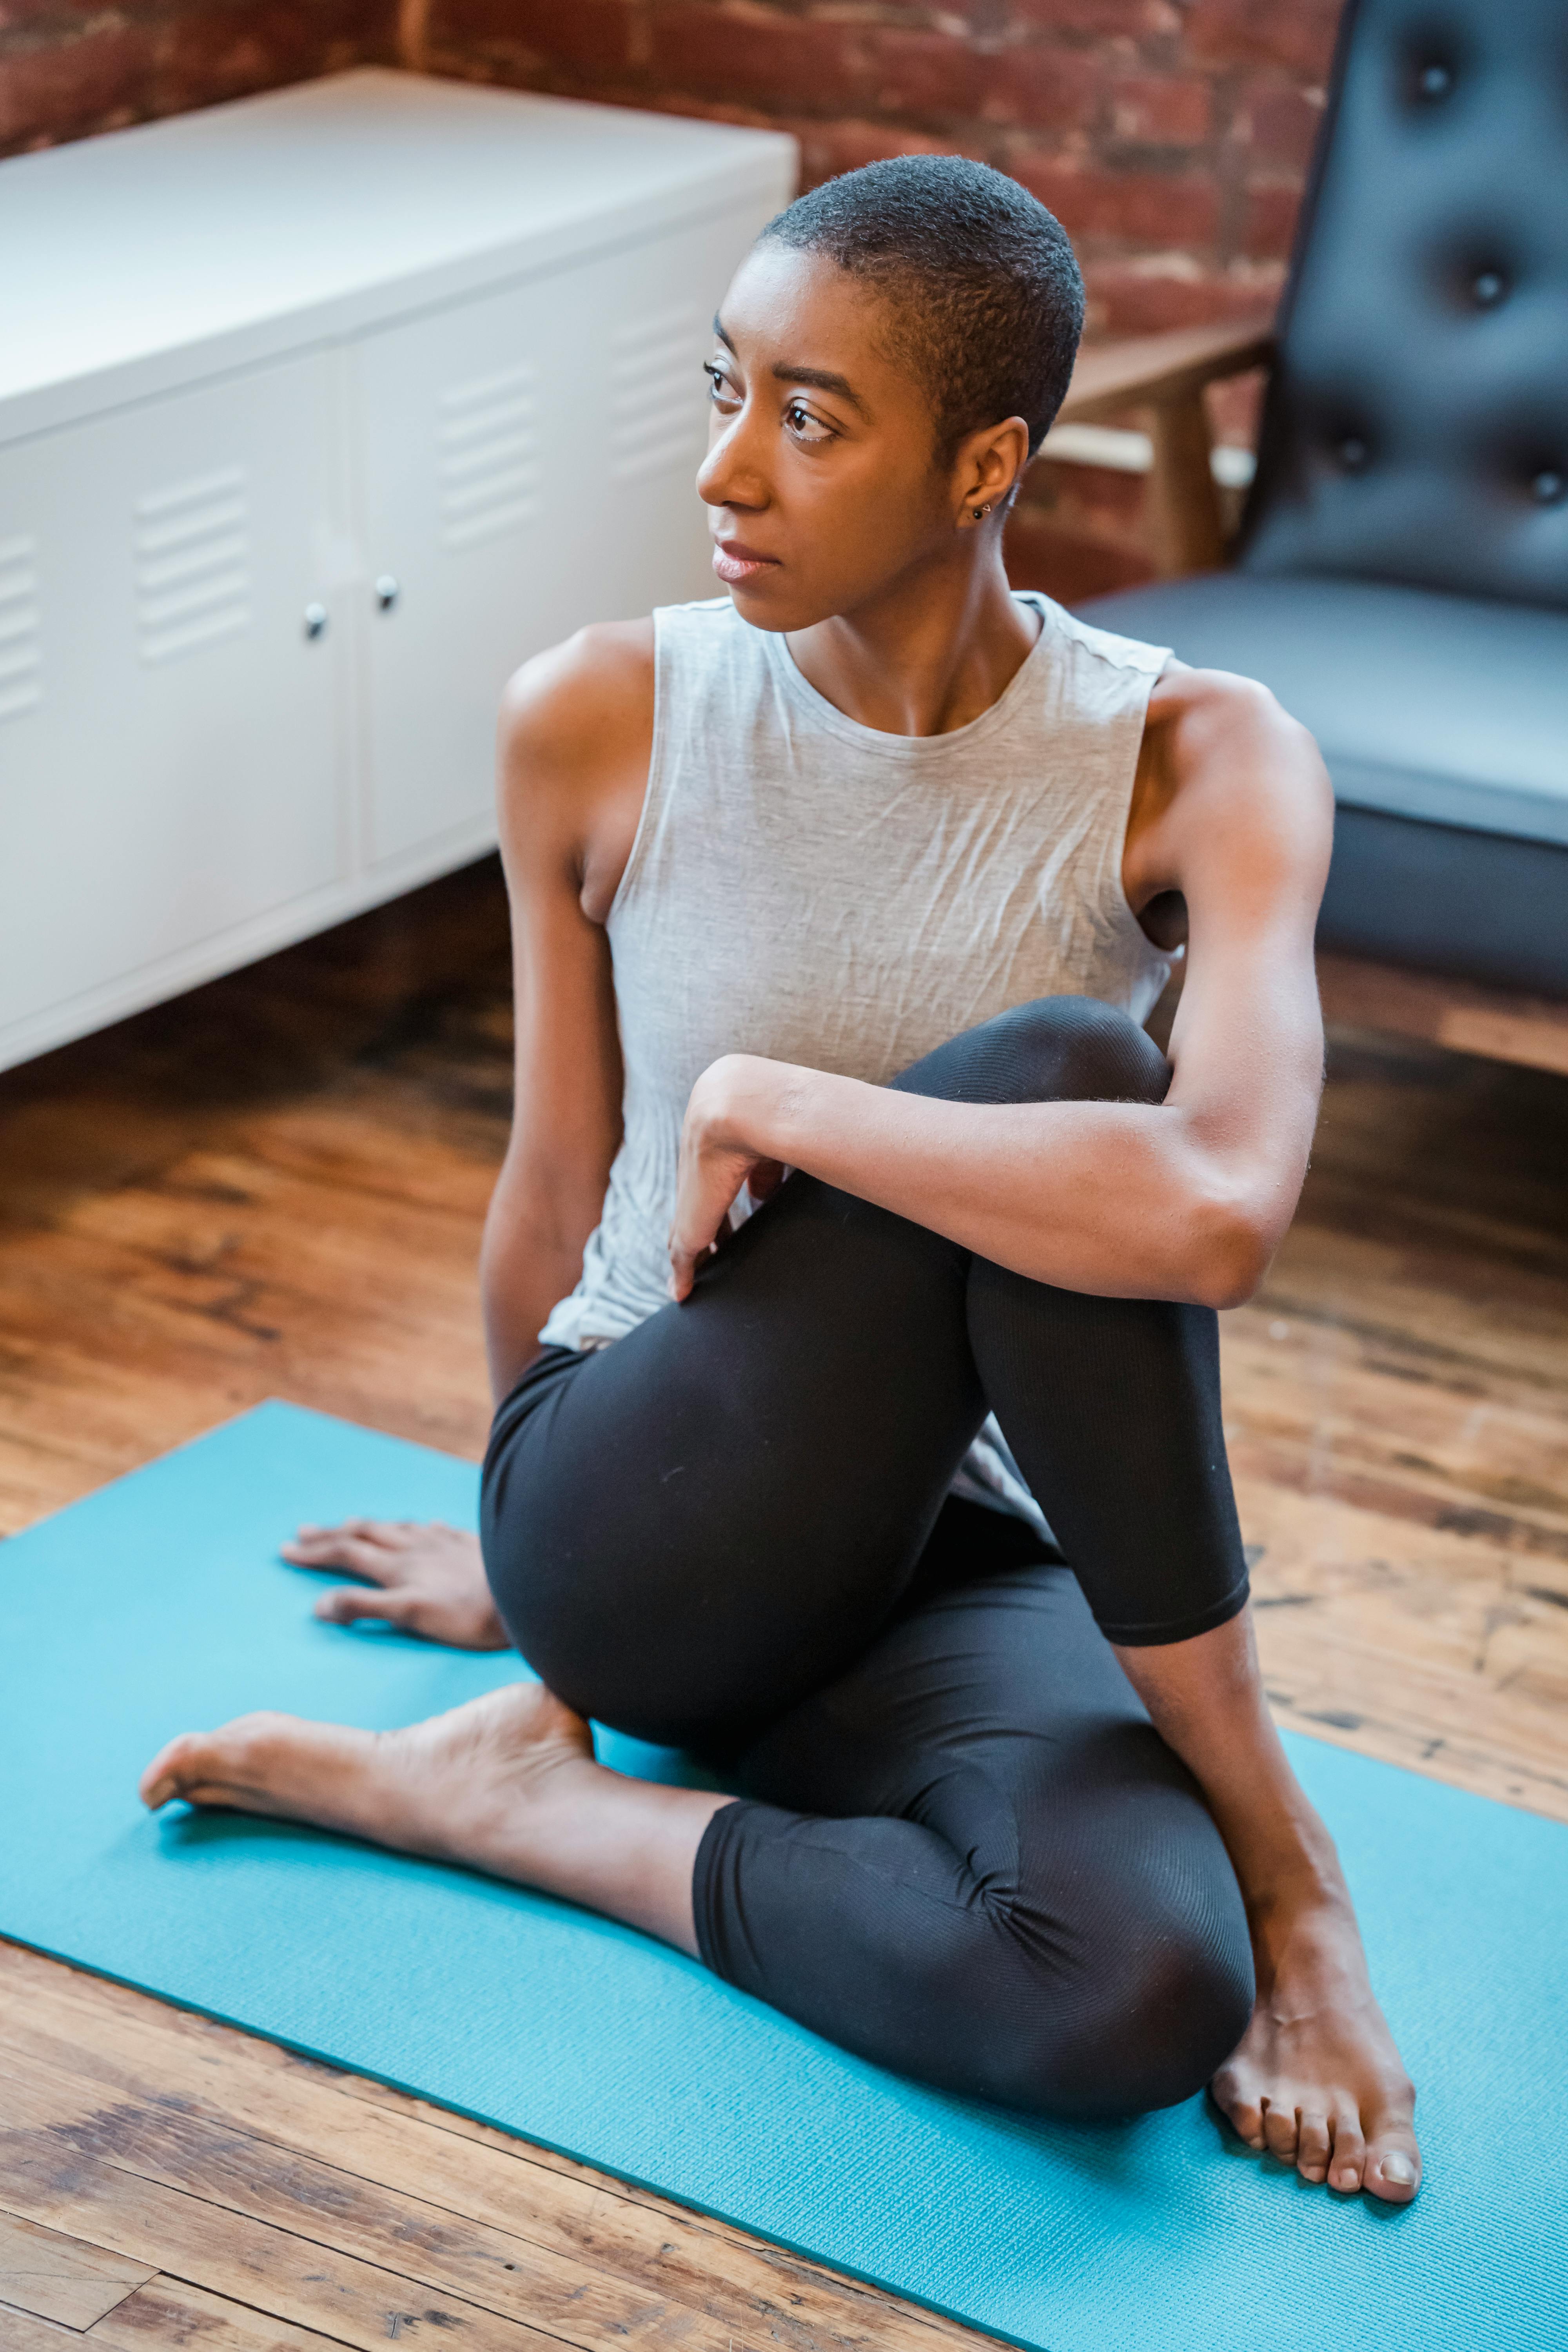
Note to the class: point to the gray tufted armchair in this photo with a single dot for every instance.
(1401, 572)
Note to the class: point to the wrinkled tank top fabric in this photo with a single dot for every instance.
(807, 889)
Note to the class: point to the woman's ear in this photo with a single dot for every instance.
(988, 468)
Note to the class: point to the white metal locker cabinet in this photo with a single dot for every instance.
(170, 759)
(527, 463)
(411, 350)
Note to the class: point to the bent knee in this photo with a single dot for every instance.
(1056, 1049)
(1142, 2025)
(1168, 2027)
(1077, 1049)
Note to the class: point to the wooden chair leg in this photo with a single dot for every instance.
(1185, 530)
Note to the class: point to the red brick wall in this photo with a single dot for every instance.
(1169, 135)
(72, 67)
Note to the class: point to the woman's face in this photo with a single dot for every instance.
(821, 471)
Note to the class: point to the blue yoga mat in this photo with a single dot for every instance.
(159, 1604)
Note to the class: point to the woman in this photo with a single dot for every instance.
(865, 874)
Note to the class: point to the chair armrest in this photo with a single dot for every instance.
(1165, 376)
(1161, 371)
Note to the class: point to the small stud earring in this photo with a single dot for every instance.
(980, 513)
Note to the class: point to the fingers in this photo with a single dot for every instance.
(765, 1177)
(368, 1547)
(708, 1184)
(686, 1259)
(393, 1532)
(346, 1604)
(395, 1535)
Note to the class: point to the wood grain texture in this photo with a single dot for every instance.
(1186, 531)
(169, 2313)
(56, 2277)
(1156, 370)
(1397, 1405)
(334, 2207)
(274, 1188)
(22, 2331)
(237, 2104)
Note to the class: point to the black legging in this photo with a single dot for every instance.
(962, 1850)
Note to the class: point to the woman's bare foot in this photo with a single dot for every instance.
(507, 1784)
(1316, 2078)
(424, 1579)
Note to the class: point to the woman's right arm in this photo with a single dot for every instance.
(576, 734)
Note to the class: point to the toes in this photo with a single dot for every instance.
(168, 1771)
(1393, 2168)
(1234, 2096)
(1348, 2158)
(1281, 2131)
(1313, 2145)
(188, 1768)
(205, 1767)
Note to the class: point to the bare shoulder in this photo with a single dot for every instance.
(1206, 719)
(575, 738)
(1224, 769)
(592, 689)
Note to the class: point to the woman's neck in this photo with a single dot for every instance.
(934, 652)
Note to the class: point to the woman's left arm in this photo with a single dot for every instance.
(1188, 1198)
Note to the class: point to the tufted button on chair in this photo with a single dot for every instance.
(1401, 575)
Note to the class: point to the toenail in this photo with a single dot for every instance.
(1399, 2168)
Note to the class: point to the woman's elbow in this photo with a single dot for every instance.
(1233, 1242)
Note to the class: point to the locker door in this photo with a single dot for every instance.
(655, 332)
(169, 735)
(528, 463)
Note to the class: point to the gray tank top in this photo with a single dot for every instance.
(807, 889)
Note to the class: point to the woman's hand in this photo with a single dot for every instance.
(722, 1149)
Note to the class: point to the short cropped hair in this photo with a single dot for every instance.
(982, 288)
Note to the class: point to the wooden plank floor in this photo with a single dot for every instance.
(274, 1187)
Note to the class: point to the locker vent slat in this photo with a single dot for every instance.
(658, 417)
(487, 456)
(191, 545)
(21, 652)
